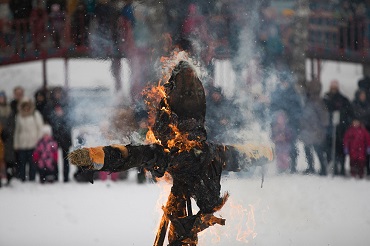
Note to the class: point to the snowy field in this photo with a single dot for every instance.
(287, 210)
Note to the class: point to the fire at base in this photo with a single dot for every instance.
(180, 148)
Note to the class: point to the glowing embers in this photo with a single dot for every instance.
(181, 141)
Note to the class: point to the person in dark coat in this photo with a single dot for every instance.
(21, 10)
(11, 154)
(286, 98)
(5, 112)
(335, 101)
(364, 84)
(80, 25)
(18, 94)
(314, 121)
(222, 114)
(361, 110)
(40, 102)
(57, 111)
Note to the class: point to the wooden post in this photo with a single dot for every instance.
(66, 73)
(44, 76)
(312, 69)
(116, 71)
(319, 69)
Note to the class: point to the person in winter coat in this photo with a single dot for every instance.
(18, 94)
(27, 133)
(336, 102)
(364, 85)
(21, 11)
(281, 136)
(38, 22)
(7, 121)
(361, 110)
(2, 159)
(218, 122)
(58, 118)
(40, 102)
(314, 121)
(46, 156)
(57, 19)
(356, 144)
(4, 115)
(286, 98)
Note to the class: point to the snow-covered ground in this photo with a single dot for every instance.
(287, 210)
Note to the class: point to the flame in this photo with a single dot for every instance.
(157, 93)
(240, 225)
(246, 224)
(181, 141)
(163, 199)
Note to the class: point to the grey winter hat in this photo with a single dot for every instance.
(46, 130)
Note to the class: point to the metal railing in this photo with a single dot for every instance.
(35, 38)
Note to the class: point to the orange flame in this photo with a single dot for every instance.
(155, 94)
(181, 141)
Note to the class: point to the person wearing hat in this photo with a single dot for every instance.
(222, 115)
(57, 111)
(314, 121)
(18, 94)
(4, 114)
(28, 126)
(7, 124)
(361, 110)
(335, 101)
(45, 156)
(356, 144)
(41, 102)
(286, 98)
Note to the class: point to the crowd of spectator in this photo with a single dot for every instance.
(332, 126)
(32, 130)
(35, 131)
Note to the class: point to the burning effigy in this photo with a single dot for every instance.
(178, 146)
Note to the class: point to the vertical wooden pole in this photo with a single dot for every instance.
(319, 69)
(312, 69)
(116, 71)
(44, 74)
(66, 73)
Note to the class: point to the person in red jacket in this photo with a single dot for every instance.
(356, 144)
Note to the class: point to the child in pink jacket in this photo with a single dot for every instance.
(45, 156)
